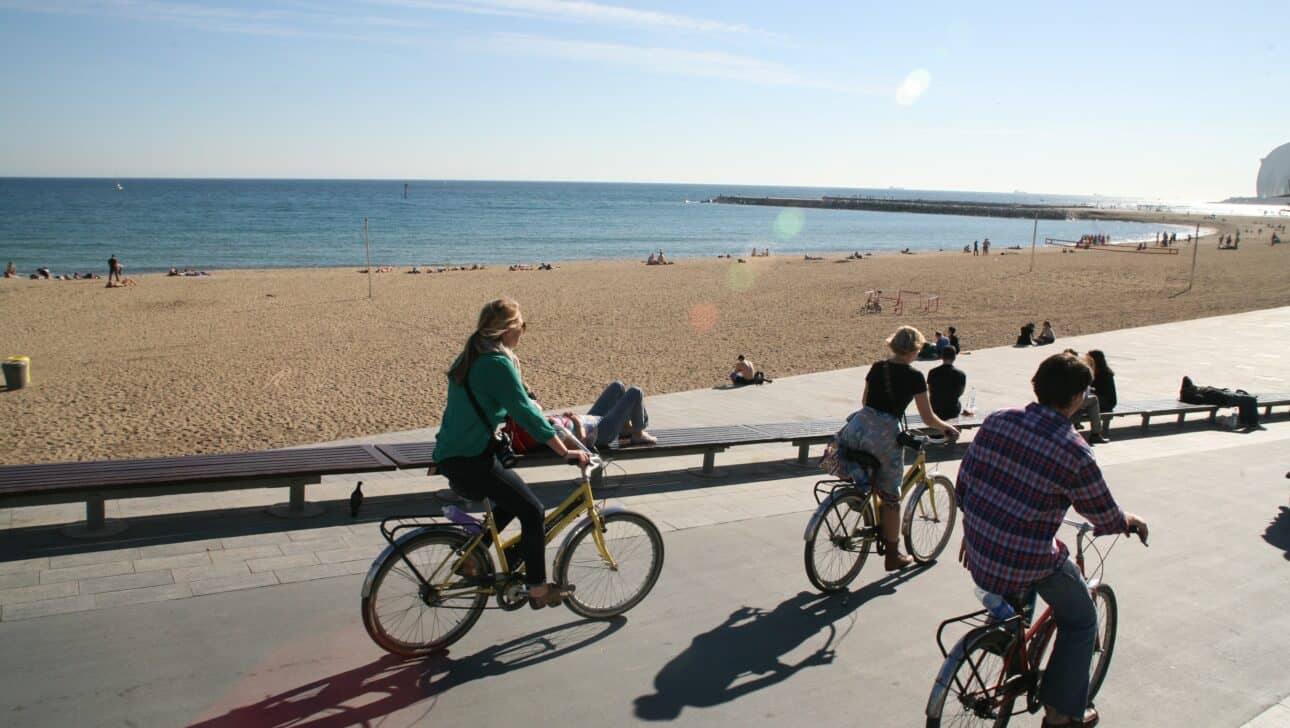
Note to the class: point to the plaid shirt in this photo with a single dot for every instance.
(1023, 470)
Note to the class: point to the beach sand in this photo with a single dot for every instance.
(249, 360)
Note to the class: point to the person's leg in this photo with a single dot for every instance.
(628, 411)
(1065, 684)
(607, 398)
(510, 495)
(1094, 412)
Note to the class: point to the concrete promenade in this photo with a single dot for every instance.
(208, 611)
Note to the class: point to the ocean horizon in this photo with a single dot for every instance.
(151, 224)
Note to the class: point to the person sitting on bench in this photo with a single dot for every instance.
(945, 385)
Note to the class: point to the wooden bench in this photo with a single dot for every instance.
(96, 482)
(706, 441)
(1146, 409)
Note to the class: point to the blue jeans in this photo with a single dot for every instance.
(617, 406)
(1065, 683)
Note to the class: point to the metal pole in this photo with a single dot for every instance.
(1033, 235)
(368, 245)
(1194, 250)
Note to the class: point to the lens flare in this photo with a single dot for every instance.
(703, 317)
(788, 224)
(740, 278)
(913, 87)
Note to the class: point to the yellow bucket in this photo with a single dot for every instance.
(25, 360)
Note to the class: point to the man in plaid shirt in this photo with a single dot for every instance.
(1024, 469)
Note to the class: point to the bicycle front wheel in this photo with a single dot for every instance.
(603, 589)
(838, 542)
(409, 617)
(1107, 620)
(929, 519)
(970, 689)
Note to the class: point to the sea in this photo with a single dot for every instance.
(74, 225)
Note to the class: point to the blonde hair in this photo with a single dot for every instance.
(906, 340)
(495, 318)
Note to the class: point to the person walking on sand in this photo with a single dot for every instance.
(114, 269)
(976, 247)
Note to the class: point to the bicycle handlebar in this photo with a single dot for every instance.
(1137, 529)
(594, 460)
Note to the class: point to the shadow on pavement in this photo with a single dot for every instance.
(365, 695)
(1278, 532)
(753, 642)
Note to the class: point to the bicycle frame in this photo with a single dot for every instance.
(581, 502)
(915, 474)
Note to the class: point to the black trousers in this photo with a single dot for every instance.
(483, 476)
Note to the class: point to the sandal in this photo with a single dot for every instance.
(555, 595)
(643, 438)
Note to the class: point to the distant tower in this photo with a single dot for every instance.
(1274, 173)
(405, 190)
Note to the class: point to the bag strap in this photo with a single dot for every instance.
(891, 391)
(479, 411)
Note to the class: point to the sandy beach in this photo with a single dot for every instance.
(248, 360)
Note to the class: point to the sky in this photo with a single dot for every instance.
(1144, 99)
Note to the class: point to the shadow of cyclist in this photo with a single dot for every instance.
(1278, 532)
(366, 694)
(753, 641)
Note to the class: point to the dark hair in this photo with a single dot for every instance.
(953, 330)
(1099, 363)
(1059, 378)
(741, 357)
(948, 353)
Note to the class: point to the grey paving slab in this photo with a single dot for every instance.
(348, 554)
(46, 608)
(180, 548)
(233, 583)
(1278, 716)
(39, 592)
(322, 571)
(126, 581)
(76, 573)
(142, 596)
(243, 553)
(19, 578)
(276, 563)
(23, 565)
(172, 562)
(196, 573)
(92, 557)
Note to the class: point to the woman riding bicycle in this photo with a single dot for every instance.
(889, 387)
(488, 372)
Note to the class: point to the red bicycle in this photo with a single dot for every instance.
(999, 662)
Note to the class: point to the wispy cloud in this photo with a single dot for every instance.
(308, 21)
(673, 61)
(575, 11)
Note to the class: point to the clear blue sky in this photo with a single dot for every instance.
(1140, 98)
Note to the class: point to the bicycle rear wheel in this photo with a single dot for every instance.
(929, 519)
(411, 618)
(970, 689)
(603, 590)
(838, 543)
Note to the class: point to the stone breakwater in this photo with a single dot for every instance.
(928, 207)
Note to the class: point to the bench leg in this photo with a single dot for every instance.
(1146, 421)
(803, 453)
(96, 524)
(709, 469)
(1181, 415)
(297, 506)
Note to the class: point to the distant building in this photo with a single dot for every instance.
(1274, 173)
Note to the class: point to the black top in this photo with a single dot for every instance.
(945, 385)
(954, 342)
(892, 386)
(1104, 388)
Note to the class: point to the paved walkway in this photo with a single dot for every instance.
(171, 553)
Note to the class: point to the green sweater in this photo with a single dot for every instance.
(499, 391)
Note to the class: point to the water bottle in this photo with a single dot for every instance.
(998, 607)
(472, 525)
(971, 403)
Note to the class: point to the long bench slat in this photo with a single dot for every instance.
(194, 468)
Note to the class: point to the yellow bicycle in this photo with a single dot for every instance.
(430, 585)
(845, 526)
